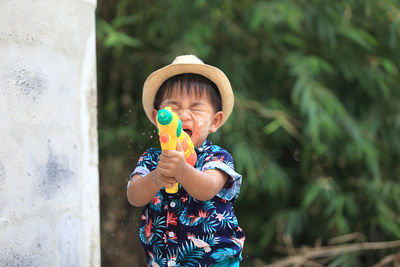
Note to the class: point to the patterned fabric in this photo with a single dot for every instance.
(178, 230)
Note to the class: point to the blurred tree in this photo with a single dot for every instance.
(316, 125)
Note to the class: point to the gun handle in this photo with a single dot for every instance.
(172, 190)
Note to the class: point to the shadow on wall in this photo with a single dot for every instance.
(54, 175)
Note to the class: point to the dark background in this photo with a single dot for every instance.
(315, 129)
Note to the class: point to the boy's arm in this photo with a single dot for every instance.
(142, 189)
(202, 185)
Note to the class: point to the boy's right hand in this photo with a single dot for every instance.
(162, 180)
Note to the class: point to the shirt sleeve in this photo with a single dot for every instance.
(146, 163)
(220, 159)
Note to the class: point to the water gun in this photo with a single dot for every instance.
(170, 131)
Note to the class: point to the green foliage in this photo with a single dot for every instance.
(346, 260)
(316, 124)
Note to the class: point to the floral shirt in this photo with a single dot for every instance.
(178, 230)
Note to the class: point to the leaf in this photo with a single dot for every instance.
(222, 254)
(276, 181)
(125, 20)
(272, 127)
(359, 36)
(295, 221)
(189, 254)
(292, 39)
(268, 231)
(119, 38)
(311, 195)
(389, 66)
(389, 226)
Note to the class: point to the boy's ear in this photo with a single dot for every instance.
(154, 116)
(216, 121)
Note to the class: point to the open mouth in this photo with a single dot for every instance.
(188, 131)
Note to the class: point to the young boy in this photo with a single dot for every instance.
(197, 225)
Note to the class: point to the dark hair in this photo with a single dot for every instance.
(189, 83)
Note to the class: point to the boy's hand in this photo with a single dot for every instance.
(162, 180)
(172, 163)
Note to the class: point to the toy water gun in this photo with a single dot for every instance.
(170, 131)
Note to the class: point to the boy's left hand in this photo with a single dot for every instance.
(172, 163)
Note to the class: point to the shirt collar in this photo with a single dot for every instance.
(206, 144)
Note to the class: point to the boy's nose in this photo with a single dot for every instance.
(184, 114)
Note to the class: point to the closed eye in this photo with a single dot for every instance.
(197, 107)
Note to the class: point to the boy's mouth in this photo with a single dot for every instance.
(188, 131)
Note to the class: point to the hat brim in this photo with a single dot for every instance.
(158, 77)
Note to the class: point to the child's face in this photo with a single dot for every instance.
(198, 116)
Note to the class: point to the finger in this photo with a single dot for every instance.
(162, 164)
(168, 181)
(164, 172)
(157, 181)
(165, 161)
(169, 185)
(166, 166)
(165, 178)
(179, 146)
(168, 153)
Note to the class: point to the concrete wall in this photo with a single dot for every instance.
(49, 188)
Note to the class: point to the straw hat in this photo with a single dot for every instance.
(188, 64)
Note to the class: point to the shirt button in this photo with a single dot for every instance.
(173, 263)
(171, 234)
(172, 204)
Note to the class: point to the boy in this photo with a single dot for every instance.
(197, 225)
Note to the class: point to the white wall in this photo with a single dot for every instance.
(49, 187)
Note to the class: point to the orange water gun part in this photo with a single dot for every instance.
(170, 131)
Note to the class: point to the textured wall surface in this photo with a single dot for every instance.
(49, 208)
